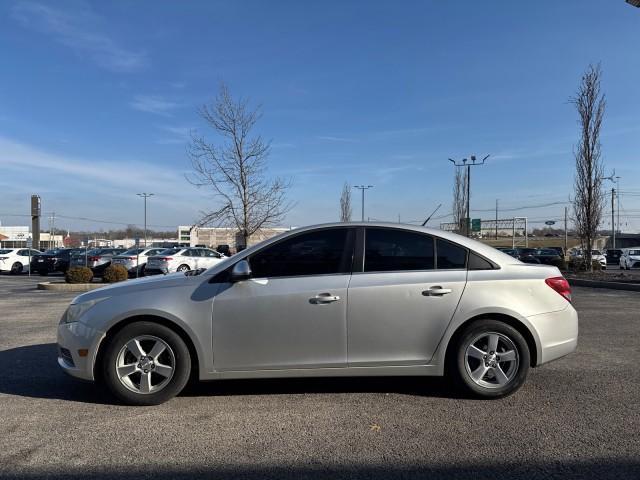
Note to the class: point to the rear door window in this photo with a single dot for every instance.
(450, 255)
(388, 250)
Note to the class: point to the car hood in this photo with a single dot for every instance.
(141, 284)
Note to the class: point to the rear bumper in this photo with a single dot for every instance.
(557, 332)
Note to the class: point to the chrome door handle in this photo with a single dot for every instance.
(322, 298)
(436, 291)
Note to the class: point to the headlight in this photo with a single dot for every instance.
(76, 310)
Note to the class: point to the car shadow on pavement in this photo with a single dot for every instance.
(601, 469)
(419, 386)
(33, 371)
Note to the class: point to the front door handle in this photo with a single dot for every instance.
(437, 291)
(323, 298)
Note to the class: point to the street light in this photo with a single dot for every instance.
(145, 196)
(468, 165)
(363, 188)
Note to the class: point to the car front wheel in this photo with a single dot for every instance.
(492, 359)
(146, 364)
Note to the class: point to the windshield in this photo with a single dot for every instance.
(547, 252)
(53, 251)
(3, 252)
(634, 252)
(133, 251)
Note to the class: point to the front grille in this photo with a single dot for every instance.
(66, 356)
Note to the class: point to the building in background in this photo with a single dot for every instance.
(18, 236)
(214, 236)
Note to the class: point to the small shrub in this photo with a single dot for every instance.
(580, 265)
(115, 273)
(78, 275)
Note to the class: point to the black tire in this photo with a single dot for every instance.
(183, 268)
(142, 270)
(174, 385)
(516, 370)
(16, 268)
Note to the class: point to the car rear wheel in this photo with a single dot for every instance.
(16, 268)
(183, 268)
(146, 364)
(491, 359)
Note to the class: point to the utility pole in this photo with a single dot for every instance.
(362, 188)
(468, 165)
(52, 230)
(496, 218)
(618, 203)
(145, 196)
(613, 218)
(566, 243)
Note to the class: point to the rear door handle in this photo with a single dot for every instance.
(437, 291)
(323, 298)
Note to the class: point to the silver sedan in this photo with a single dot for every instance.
(329, 300)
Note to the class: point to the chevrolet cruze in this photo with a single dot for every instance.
(345, 299)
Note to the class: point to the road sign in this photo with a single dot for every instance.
(549, 222)
(29, 242)
(476, 225)
(137, 240)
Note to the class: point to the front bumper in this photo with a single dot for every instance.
(72, 338)
(557, 332)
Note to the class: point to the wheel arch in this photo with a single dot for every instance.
(501, 317)
(114, 329)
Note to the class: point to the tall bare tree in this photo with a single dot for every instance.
(460, 199)
(235, 168)
(588, 199)
(345, 203)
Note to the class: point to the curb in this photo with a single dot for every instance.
(70, 287)
(578, 282)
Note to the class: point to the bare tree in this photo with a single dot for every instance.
(345, 203)
(460, 199)
(236, 168)
(588, 200)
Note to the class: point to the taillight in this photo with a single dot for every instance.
(560, 285)
(93, 259)
(128, 258)
(165, 259)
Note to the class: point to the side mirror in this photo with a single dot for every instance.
(241, 271)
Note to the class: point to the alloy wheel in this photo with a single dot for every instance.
(145, 364)
(491, 360)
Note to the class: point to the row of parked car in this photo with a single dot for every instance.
(138, 261)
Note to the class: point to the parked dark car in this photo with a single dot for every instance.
(53, 260)
(613, 256)
(548, 256)
(97, 259)
(527, 255)
(224, 249)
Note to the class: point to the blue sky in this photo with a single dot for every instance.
(97, 100)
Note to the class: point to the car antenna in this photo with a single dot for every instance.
(432, 214)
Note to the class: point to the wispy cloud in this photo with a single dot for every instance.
(174, 135)
(154, 104)
(329, 138)
(81, 31)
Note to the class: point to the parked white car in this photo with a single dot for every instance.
(136, 257)
(630, 258)
(182, 260)
(16, 260)
(596, 255)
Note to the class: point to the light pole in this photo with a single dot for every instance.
(363, 188)
(612, 178)
(145, 196)
(468, 165)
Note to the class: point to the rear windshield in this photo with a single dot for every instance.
(547, 252)
(133, 251)
(631, 252)
(170, 251)
(3, 252)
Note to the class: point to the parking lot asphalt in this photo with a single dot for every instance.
(578, 417)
